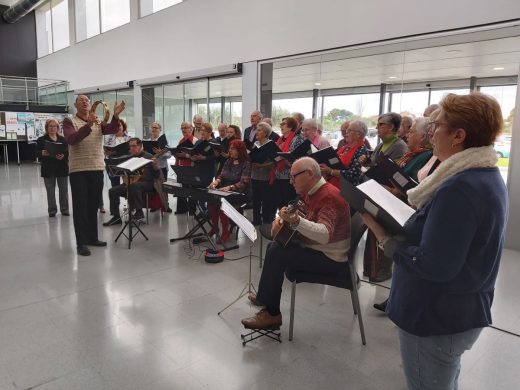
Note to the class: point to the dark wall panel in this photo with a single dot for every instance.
(18, 52)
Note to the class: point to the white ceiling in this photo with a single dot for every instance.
(438, 63)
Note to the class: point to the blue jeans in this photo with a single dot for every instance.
(433, 362)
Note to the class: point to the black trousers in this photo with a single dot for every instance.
(298, 259)
(135, 193)
(283, 192)
(263, 202)
(86, 188)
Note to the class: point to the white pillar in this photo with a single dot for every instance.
(249, 91)
(138, 111)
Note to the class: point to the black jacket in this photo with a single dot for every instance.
(50, 165)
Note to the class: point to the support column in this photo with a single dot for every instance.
(249, 91)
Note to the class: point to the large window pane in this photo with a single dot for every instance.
(285, 107)
(150, 6)
(173, 112)
(410, 103)
(87, 19)
(128, 114)
(44, 30)
(60, 24)
(437, 95)
(114, 13)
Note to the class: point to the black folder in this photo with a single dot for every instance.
(55, 148)
(159, 143)
(178, 149)
(387, 172)
(391, 213)
(329, 157)
(306, 148)
(268, 151)
(119, 150)
(200, 147)
(220, 147)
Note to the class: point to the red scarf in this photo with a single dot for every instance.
(280, 165)
(409, 155)
(346, 153)
(184, 162)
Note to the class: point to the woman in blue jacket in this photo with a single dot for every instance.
(446, 263)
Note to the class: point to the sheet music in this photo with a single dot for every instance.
(241, 221)
(399, 210)
(134, 163)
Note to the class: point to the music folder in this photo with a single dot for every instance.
(200, 147)
(191, 176)
(119, 150)
(387, 172)
(55, 148)
(220, 147)
(329, 157)
(370, 197)
(267, 151)
(159, 143)
(306, 148)
(178, 149)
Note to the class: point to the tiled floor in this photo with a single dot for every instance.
(146, 318)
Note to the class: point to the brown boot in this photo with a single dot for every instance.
(263, 320)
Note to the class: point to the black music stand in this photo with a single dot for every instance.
(115, 170)
(191, 177)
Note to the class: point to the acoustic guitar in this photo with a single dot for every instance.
(286, 234)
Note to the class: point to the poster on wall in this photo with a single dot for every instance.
(27, 118)
(40, 118)
(2, 125)
(12, 127)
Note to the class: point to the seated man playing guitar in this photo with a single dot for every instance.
(139, 184)
(324, 239)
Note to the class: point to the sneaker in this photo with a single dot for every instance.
(115, 220)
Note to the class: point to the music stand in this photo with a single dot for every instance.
(116, 170)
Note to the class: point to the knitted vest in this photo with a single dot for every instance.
(87, 155)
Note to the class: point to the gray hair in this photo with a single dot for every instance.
(421, 127)
(310, 164)
(265, 127)
(298, 116)
(197, 116)
(311, 122)
(258, 113)
(222, 124)
(406, 121)
(360, 126)
(431, 108)
(269, 121)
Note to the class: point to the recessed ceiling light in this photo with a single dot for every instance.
(318, 84)
(392, 77)
(498, 68)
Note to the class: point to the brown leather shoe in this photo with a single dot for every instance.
(263, 320)
(254, 301)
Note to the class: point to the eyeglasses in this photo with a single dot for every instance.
(283, 124)
(292, 177)
(379, 124)
(434, 125)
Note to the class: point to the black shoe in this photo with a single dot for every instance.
(97, 243)
(153, 210)
(115, 220)
(65, 213)
(52, 215)
(180, 212)
(83, 250)
(138, 215)
(381, 306)
(168, 210)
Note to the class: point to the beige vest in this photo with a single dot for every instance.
(87, 155)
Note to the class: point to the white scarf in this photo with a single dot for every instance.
(481, 157)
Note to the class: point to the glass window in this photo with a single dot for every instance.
(87, 19)
(173, 112)
(60, 24)
(150, 6)
(114, 13)
(52, 27)
(285, 107)
(410, 103)
(44, 30)
(128, 114)
(437, 95)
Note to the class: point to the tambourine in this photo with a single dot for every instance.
(106, 109)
